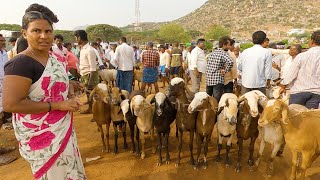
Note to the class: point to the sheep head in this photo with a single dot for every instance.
(138, 104)
(160, 100)
(273, 111)
(254, 99)
(229, 105)
(176, 87)
(201, 102)
(100, 93)
(117, 96)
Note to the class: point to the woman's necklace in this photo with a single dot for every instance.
(36, 57)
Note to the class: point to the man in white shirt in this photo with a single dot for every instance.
(164, 65)
(58, 46)
(304, 75)
(124, 60)
(88, 66)
(197, 65)
(255, 65)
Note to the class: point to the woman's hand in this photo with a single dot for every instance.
(69, 105)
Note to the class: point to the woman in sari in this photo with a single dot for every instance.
(36, 91)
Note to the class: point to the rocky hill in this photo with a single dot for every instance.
(245, 16)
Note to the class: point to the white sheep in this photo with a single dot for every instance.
(226, 124)
(109, 76)
(144, 110)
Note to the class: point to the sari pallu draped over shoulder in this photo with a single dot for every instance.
(43, 137)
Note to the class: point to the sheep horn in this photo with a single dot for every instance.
(241, 98)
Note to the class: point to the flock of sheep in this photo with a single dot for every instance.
(294, 126)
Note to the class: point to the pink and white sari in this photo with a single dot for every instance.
(47, 140)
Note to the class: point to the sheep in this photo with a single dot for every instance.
(117, 118)
(165, 114)
(144, 110)
(226, 123)
(247, 124)
(137, 76)
(109, 76)
(206, 119)
(184, 120)
(101, 111)
(301, 131)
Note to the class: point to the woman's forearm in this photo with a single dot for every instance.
(27, 106)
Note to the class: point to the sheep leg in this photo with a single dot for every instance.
(115, 150)
(138, 141)
(179, 147)
(102, 138)
(107, 136)
(227, 161)
(307, 157)
(198, 149)
(294, 165)
(218, 157)
(177, 131)
(132, 138)
(275, 149)
(261, 149)
(251, 151)
(159, 148)
(153, 143)
(167, 147)
(240, 144)
(205, 149)
(191, 148)
(143, 155)
(124, 134)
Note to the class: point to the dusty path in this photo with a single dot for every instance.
(128, 166)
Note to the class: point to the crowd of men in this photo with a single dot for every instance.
(226, 70)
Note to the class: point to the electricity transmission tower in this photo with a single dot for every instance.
(137, 25)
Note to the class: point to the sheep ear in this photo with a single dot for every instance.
(153, 100)
(284, 113)
(213, 103)
(220, 109)
(122, 97)
(241, 98)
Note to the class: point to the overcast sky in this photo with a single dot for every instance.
(73, 13)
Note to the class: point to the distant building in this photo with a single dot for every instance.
(295, 31)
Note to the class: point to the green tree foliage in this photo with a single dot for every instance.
(195, 34)
(67, 35)
(104, 31)
(244, 46)
(216, 32)
(171, 33)
(141, 37)
(10, 27)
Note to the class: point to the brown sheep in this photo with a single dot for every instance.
(301, 131)
(101, 111)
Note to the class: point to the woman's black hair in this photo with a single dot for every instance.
(37, 11)
(22, 44)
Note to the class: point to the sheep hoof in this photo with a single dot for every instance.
(205, 166)
(137, 154)
(132, 151)
(168, 162)
(154, 150)
(176, 165)
(238, 168)
(227, 165)
(218, 159)
(159, 164)
(143, 155)
(250, 162)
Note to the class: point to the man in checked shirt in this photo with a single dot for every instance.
(219, 62)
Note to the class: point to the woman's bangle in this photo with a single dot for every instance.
(49, 106)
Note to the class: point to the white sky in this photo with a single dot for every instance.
(73, 13)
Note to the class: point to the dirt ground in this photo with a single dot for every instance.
(125, 165)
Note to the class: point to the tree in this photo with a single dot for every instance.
(104, 31)
(68, 36)
(216, 32)
(171, 33)
(195, 34)
(10, 27)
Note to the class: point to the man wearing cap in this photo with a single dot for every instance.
(150, 62)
